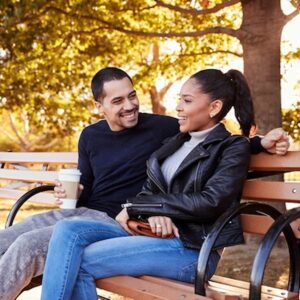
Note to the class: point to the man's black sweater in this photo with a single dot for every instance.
(113, 164)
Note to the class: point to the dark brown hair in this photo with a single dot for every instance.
(233, 90)
(105, 75)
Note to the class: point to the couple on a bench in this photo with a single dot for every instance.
(191, 180)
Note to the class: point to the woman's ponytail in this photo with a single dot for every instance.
(243, 105)
(233, 90)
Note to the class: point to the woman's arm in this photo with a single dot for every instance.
(224, 187)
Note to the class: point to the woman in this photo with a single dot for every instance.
(192, 180)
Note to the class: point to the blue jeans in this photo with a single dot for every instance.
(81, 251)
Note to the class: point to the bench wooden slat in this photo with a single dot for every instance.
(219, 290)
(258, 224)
(272, 191)
(229, 282)
(44, 197)
(267, 162)
(243, 291)
(138, 288)
(188, 287)
(169, 282)
(29, 175)
(39, 157)
(216, 294)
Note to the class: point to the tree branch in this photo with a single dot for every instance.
(112, 26)
(15, 130)
(211, 52)
(217, 30)
(291, 16)
(164, 90)
(34, 146)
(9, 135)
(196, 12)
(33, 16)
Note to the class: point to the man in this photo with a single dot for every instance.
(112, 160)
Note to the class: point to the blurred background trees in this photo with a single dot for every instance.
(49, 51)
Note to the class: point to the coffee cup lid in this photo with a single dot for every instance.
(70, 171)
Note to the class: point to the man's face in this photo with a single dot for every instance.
(120, 105)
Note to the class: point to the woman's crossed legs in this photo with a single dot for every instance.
(82, 251)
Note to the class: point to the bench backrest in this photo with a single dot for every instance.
(269, 191)
(18, 169)
(21, 171)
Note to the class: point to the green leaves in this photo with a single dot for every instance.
(291, 121)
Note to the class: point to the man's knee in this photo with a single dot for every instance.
(32, 243)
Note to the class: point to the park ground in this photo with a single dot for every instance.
(235, 263)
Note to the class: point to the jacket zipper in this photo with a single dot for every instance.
(195, 189)
(125, 205)
(156, 182)
(195, 182)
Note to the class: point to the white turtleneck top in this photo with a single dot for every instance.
(171, 164)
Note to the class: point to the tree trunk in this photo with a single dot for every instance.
(263, 21)
(156, 101)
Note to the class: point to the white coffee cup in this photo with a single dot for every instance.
(69, 179)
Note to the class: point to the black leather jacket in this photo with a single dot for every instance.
(208, 181)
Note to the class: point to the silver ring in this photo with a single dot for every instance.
(158, 225)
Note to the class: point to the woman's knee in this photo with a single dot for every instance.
(65, 228)
(74, 228)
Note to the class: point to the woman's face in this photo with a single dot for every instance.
(194, 108)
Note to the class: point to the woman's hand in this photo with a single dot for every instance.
(122, 218)
(163, 226)
(60, 193)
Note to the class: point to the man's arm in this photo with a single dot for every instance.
(275, 141)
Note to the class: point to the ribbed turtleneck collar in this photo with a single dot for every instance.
(199, 136)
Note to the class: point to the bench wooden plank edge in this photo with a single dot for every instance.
(45, 197)
(268, 162)
(138, 288)
(39, 157)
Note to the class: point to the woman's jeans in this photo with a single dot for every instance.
(81, 251)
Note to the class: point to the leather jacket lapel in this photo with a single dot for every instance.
(154, 162)
(154, 172)
(197, 153)
(201, 150)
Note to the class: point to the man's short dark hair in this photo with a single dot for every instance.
(105, 75)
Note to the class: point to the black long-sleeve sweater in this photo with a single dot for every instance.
(113, 164)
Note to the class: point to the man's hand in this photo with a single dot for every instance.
(60, 193)
(276, 141)
(163, 226)
(122, 218)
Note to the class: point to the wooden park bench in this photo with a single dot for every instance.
(41, 168)
(24, 175)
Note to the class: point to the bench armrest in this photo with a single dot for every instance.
(248, 207)
(18, 204)
(264, 251)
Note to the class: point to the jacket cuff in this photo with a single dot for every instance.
(255, 145)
